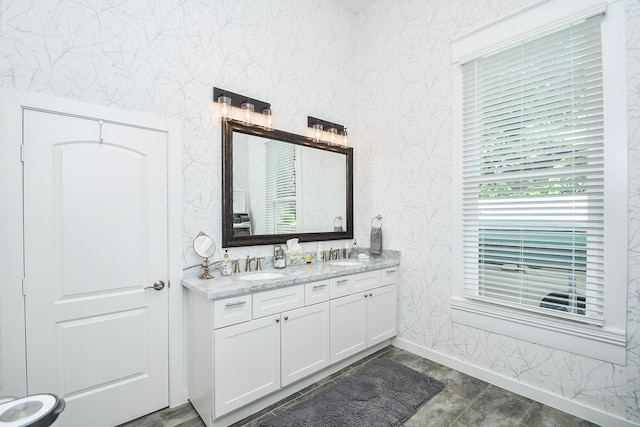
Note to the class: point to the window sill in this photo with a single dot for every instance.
(586, 340)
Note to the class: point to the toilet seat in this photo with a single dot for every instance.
(38, 410)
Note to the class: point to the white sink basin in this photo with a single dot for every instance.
(345, 262)
(265, 275)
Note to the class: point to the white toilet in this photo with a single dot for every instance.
(38, 410)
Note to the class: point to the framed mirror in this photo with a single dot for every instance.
(278, 185)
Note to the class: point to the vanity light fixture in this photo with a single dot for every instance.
(231, 104)
(225, 107)
(268, 115)
(247, 113)
(317, 135)
(345, 137)
(331, 135)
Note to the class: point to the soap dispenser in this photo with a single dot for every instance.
(279, 258)
(227, 266)
(354, 250)
(319, 253)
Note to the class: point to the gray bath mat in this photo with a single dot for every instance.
(385, 393)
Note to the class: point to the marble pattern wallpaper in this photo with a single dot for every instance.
(385, 73)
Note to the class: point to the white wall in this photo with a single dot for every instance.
(404, 173)
(386, 74)
(165, 57)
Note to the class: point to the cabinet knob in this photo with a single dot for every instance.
(365, 295)
(286, 317)
(370, 295)
(277, 319)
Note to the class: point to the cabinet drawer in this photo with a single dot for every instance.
(277, 300)
(230, 311)
(316, 292)
(389, 276)
(365, 281)
(339, 286)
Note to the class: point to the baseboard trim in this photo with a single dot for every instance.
(545, 397)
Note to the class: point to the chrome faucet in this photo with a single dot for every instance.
(247, 263)
(334, 254)
(258, 264)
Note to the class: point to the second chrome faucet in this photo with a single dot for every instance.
(249, 260)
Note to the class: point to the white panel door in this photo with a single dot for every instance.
(246, 362)
(347, 331)
(95, 236)
(381, 314)
(305, 341)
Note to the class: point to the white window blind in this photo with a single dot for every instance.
(280, 187)
(533, 180)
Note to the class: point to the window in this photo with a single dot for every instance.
(534, 172)
(280, 187)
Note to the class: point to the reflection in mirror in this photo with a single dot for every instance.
(278, 185)
(205, 247)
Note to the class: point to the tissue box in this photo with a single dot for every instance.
(296, 258)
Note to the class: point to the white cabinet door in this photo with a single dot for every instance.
(347, 333)
(246, 363)
(381, 314)
(304, 341)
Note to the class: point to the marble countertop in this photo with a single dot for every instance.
(229, 286)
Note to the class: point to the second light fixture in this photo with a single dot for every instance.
(324, 131)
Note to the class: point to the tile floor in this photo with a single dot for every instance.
(464, 402)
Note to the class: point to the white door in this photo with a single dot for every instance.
(381, 314)
(347, 316)
(304, 341)
(95, 236)
(246, 362)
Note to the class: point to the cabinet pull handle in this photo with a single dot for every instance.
(324, 285)
(342, 281)
(234, 304)
(391, 271)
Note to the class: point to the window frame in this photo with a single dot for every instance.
(606, 342)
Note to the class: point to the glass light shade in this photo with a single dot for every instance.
(224, 102)
(345, 137)
(247, 113)
(333, 136)
(317, 132)
(268, 116)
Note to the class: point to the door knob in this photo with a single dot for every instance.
(158, 286)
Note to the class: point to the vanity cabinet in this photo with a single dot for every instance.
(246, 351)
(255, 358)
(284, 342)
(365, 317)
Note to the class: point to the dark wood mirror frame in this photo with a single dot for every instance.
(228, 239)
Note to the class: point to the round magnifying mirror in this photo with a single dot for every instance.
(204, 246)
